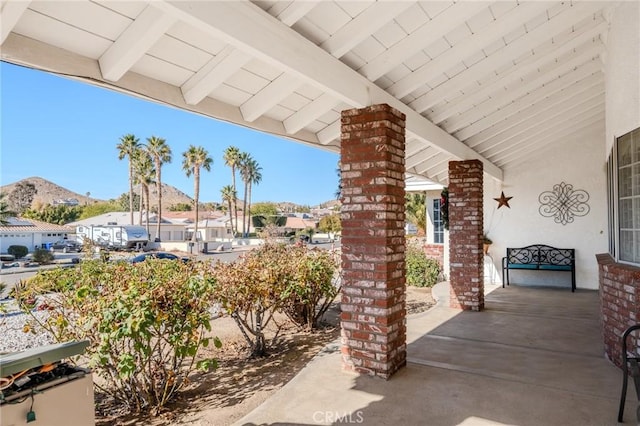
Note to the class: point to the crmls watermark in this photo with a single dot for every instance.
(335, 417)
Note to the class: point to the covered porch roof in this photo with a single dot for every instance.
(494, 81)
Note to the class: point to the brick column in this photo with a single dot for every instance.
(373, 241)
(619, 304)
(465, 235)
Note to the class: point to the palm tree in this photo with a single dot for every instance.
(144, 173)
(160, 153)
(5, 213)
(231, 158)
(194, 159)
(250, 173)
(229, 196)
(128, 147)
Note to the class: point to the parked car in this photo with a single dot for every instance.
(66, 246)
(157, 255)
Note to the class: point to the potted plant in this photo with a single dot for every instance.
(486, 242)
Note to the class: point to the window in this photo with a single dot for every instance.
(628, 198)
(438, 226)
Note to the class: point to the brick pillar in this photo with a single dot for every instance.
(373, 241)
(465, 235)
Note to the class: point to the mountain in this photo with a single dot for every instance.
(170, 196)
(48, 192)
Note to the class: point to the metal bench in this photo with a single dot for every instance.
(539, 257)
(630, 366)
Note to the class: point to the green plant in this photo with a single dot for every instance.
(422, 271)
(145, 323)
(18, 251)
(42, 256)
(312, 290)
(444, 207)
(250, 290)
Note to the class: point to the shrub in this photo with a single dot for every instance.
(312, 290)
(42, 256)
(145, 323)
(275, 278)
(18, 251)
(250, 290)
(422, 271)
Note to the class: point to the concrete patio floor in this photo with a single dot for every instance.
(533, 357)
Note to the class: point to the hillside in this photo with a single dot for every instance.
(170, 196)
(48, 192)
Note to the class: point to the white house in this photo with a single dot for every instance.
(30, 233)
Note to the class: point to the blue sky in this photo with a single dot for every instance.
(66, 132)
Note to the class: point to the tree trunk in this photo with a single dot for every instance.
(131, 190)
(244, 209)
(235, 201)
(159, 186)
(196, 196)
(141, 201)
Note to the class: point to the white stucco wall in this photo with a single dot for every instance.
(579, 162)
(622, 71)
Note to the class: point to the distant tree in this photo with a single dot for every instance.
(60, 214)
(193, 160)
(264, 209)
(416, 211)
(232, 159)
(330, 223)
(180, 207)
(229, 197)
(128, 147)
(250, 173)
(144, 173)
(97, 209)
(160, 153)
(21, 197)
(303, 209)
(124, 200)
(5, 213)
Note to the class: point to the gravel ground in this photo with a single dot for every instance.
(12, 321)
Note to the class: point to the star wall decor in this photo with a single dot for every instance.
(503, 201)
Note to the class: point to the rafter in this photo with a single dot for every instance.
(295, 11)
(513, 93)
(134, 42)
(268, 97)
(252, 30)
(309, 112)
(580, 73)
(553, 135)
(213, 74)
(329, 133)
(533, 39)
(362, 26)
(582, 41)
(10, 15)
(427, 34)
(537, 133)
(556, 101)
(508, 22)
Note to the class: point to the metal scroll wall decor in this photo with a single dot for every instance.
(564, 203)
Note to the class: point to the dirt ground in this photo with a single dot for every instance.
(240, 384)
